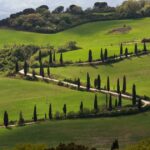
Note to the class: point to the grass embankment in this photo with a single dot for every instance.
(88, 36)
(92, 132)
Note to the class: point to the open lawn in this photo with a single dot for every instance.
(20, 95)
(88, 36)
(136, 69)
(92, 132)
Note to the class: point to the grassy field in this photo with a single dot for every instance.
(136, 70)
(19, 95)
(92, 132)
(86, 38)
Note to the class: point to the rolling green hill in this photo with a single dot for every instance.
(97, 133)
(88, 36)
(136, 70)
(19, 95)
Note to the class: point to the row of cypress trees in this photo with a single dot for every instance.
(109, 106)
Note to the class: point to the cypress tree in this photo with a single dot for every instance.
(116, 103)
(35, 114)
(106, 101)
(134, 95)
(144, 47)
(50, 112)
(61, 58)
(136, 49)
(81, 107)
(50, 57)
(33, 74)
(95, 104)
(21, 119)
(48, 71)
(102, 55)
(106, 54)
(126, 52)
(119, 100)
(6, 120)
(88, 82)
(41, 70)
(78, 83)
(98, 82)
(54, 56)
(65, 110)
(121, 49)
(40, 56)
(16, 67)
(25, 68)
(118, 85)
(139, 104)
(90, 56)
(110, 103)
(95, 83)
(108, 84)
(124, 84)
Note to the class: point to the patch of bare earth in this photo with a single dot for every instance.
(121, 30)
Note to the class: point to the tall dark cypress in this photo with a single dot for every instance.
(42, 70)
(35, 114)
(50, 112)
(54, 56)
(65, 110)
(134, 95)
(50, 57)
(78, 83)
(126, 52)
(40, 56)
(124, 84)
(108, 84)
(16, 67)
(118, 85)
(81, 107)
(90, 56)
(144, 47)
(99, 82)
(6, 120)
(121, 49)
(110, 103)
(88, 85)
(139, 104)
(48, 71)
(61, 58)
(25, 68)
(119, 100)
(95, 104)
(136, 49)
(102, 56)
(106, 54)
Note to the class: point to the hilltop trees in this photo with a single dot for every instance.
(136, 49)
(6, 120)
(110, 103)
(108, 84)
(121, 49)
(61, 58)
(102, 55)
(65, 110)
(21, 119)
(118, 85)
(119, 100)
(95, 104)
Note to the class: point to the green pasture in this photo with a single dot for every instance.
(97, 133)
(136, 69)
(88, 36)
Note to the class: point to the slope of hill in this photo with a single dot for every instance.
(89, 36)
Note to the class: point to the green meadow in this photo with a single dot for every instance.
(97, 133)
(88, 36)
(136, 69)
(20, 95)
